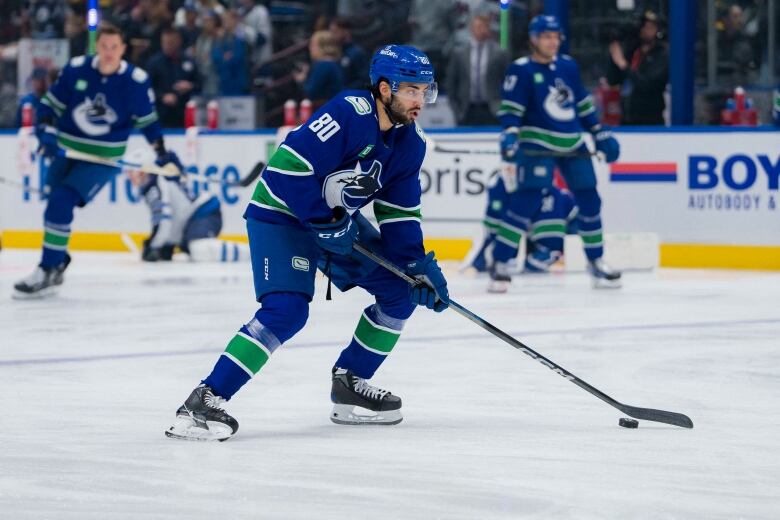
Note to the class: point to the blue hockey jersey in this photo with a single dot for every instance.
(547, 103)
(96, 113)
(340, 157)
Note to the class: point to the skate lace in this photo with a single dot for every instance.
(362, 387)
(213, 401)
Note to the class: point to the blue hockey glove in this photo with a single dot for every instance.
(607, 145)
(432, 291)
(47, 140)
(169, 157)
(337, 236)
(510, 147)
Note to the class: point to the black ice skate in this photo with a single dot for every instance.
(200, 418)
(42, 282)
(357, 402)
(603, 276)
(499, 278)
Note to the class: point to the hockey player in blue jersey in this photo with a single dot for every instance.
(91, 108)
(545, 111)
(776, 106)
(181, 219)
(361, 147)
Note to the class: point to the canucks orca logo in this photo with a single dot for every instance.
(351, 188)
(559, 103)
(94, 116)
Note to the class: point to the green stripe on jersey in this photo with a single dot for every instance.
(549, 227)
(90, 146)
(386, 212)
(510, 233)
(248, 352)
(264, 198)
(141, 122)
(557, 141)
(375, 337)
(285, 160)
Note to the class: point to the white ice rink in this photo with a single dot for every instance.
(91, 379)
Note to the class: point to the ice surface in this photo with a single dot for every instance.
(91, 379)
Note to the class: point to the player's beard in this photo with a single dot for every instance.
(396, 112)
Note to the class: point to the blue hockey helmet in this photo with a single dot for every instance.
(403, 63)
(544, 23)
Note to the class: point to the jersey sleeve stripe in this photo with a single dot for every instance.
(264, 198)
(298, 156)
(387, 213)
(141, 122)
(50, 102)
(286, 161)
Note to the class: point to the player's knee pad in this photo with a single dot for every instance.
(62, 201)
(396, 302)
(588, 202)
(283, 313)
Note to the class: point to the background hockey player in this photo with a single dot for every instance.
(553, 218)
(544, 112)
(362, 146)
(92, 107)
(182, 220)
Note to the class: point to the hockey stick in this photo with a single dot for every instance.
(168, 170)
(647, 414)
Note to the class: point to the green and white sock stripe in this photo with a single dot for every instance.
(92, 146)
(264, 198)
(248, 353)
(289, 162)
(375, 337)
(585, 106)
(387, 213)
(558, 141)
(52, 102)
(593, 238)
(509, 234)
(142, 122)
(508, 107)
(55, 239)
(549, 228)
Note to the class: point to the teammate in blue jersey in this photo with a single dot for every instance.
(91, 108)
(776, 106)
(545, 111)
(181, 219)
(361, 147)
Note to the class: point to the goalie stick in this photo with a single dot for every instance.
(647, 414)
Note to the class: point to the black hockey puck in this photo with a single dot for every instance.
(628, 423)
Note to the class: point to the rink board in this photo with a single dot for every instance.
(710, 195)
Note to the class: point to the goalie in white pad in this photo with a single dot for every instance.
(182, 220)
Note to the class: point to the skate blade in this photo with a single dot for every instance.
(356, 415)
(185, 429)
(601, 283)
(40, 295)
(497, 287)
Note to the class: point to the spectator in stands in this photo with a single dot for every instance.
(736, 60)
(190, 30)
(174, 78)
(39, 84)
(211, 25)
(257, 20)
(76, 32)
(230, 57)
(776, 106)
(641, 67)
(474, 75)
(354, 58)
(432, 24)
(46, 18)
(323, 78)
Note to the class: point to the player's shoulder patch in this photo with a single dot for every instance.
(361, 105)
(522, 61)
(77, 61)
(139, 75)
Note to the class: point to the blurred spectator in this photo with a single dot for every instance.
(736, 60)
(204, 45)
(323, 78)
(174, 78)
(120, 14)
(255, 17)
(201, 6)
(354, 58)
(474, 75)
(432, 24)
(464, 11)
(642, 79)
(77, 34)
(776, 106)
(191, 28)
(148, 19)
(230, 57)
(8, 99)
(46, 18)
(39, 84)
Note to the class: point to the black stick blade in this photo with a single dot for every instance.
(252, 175)
(662, 416)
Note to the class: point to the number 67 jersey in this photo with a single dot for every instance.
(340, 157)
